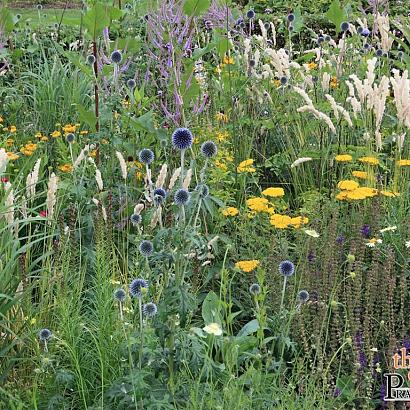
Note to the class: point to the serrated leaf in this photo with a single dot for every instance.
(336, 14)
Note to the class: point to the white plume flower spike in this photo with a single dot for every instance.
(123, 165)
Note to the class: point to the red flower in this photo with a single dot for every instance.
(43, 214)
(4, 179)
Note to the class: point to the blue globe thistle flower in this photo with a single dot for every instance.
(303, 296)
(283, 80)
(136, 219)
(39, 7)
(255, 289)
(366, 46)
(146, 156)
(286, 268)
(290, 27)
(203, 190)
(45, 335)
(209, 149)
(365, 32)
(320, 40)
(146, 248)
(327, 38)
(120, 295)
(290, 17)
(116, 56)
(252, 62)
(18, 16)
(90, 59)
(182, 138)
(360, 30)
(159, 196)
(137, 286)
(70, 137)
(131, 83)
(250, 14)
(400, 55)
(128, 6)
(379, 52)
(344, 26)
(150, 309)
(182, 197)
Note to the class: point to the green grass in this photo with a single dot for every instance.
(47, 16)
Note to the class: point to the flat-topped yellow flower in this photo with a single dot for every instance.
(403, 163)
(56, 134)
(390, 194)
(12, 129)
(343, 158)
(280, 221)
(298, 221)
(360, 174)
(274, 192)
(348, 185)
(246, 166)
(258, 204)
(369, 160)
(230, 211)
(248, 265)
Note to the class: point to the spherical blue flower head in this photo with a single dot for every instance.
(116, 56)
(379, 52)
(366, 46)
(136, 287)
(181, 197)
(365, 32)
(360, 30)
(203, 190)
(344, 26)
(250, 14)
(120, 295)
(327, 38)
(286, 268)
(303, 296)
(44, 335)
(131, 83)
(128, 6)
(283, 80)
(18, 16)
(146, 156)
(70, 137)
(400, 55)
(39, 7)
(90, 59)
(135, 219)
(146, 248)
(320, 40)
(150, 309)
(255, 289)
(290, 17)
(290, 27)
(159, 196)
(182, 138)
(209, 149)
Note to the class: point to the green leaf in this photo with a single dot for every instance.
(87, 116)
(336, 14)
(196, 7)
(144, 123)
(95, 19)
(249, 328)
(211, 308)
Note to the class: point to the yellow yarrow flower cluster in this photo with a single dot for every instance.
(284, 221)
(246, 166)
(258, 204)
(369, 160)
(360, 174)
(343, 158)
(230, 211)
(248, 265)
(356, 194)
(348, 185)
(273, 192)
(403, 163)
(69, 128)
